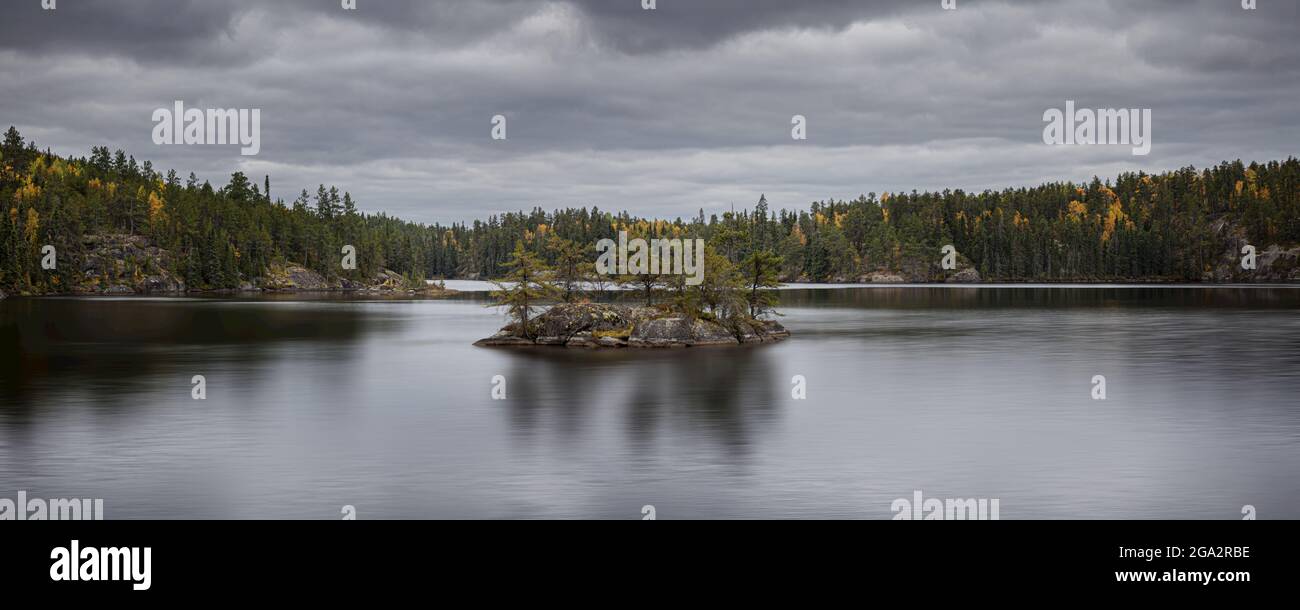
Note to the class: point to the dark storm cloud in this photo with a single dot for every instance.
(675, 24)
(194, 30)
(661, 112)
(145, 30)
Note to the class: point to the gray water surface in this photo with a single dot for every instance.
(314, 403)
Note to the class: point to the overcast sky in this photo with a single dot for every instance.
(660, 112)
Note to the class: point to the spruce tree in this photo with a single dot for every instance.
(523, 288)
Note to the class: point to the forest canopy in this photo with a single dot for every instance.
(1171, 226)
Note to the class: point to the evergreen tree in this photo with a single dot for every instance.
(570, 267)
(761, 271)
(523, 288)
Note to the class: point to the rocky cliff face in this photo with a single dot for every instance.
(602, 325)
(1278, 265)
(1273, 264)
(125, 264)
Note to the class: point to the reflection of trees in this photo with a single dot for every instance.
(723, 393)
(1012, 296)
(105, 347)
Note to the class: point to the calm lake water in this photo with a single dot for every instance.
(960, 392)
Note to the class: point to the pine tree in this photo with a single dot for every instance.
(570, 268)
(523, 288)
(761, 271)
(324, 205)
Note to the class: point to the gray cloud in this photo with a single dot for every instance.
(660, 112)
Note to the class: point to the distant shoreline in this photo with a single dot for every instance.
(380, 295)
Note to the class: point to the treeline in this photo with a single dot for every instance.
(1169, 226)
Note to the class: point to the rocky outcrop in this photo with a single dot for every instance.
(917, 271)
(387, 279)
(505, 338)
(125, 264)
(880, 277)
(1273, 264)
(680, 332)
(965, 276)
(582, 324)
(1279, 265)
(592, 325)
(294, 277)
(119, 264)
(761, 331)
(568, 320)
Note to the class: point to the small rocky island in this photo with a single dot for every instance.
(601, 325)
(548, 304)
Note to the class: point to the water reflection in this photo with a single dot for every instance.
(103, 348)
(726, 392)
(383, 404)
